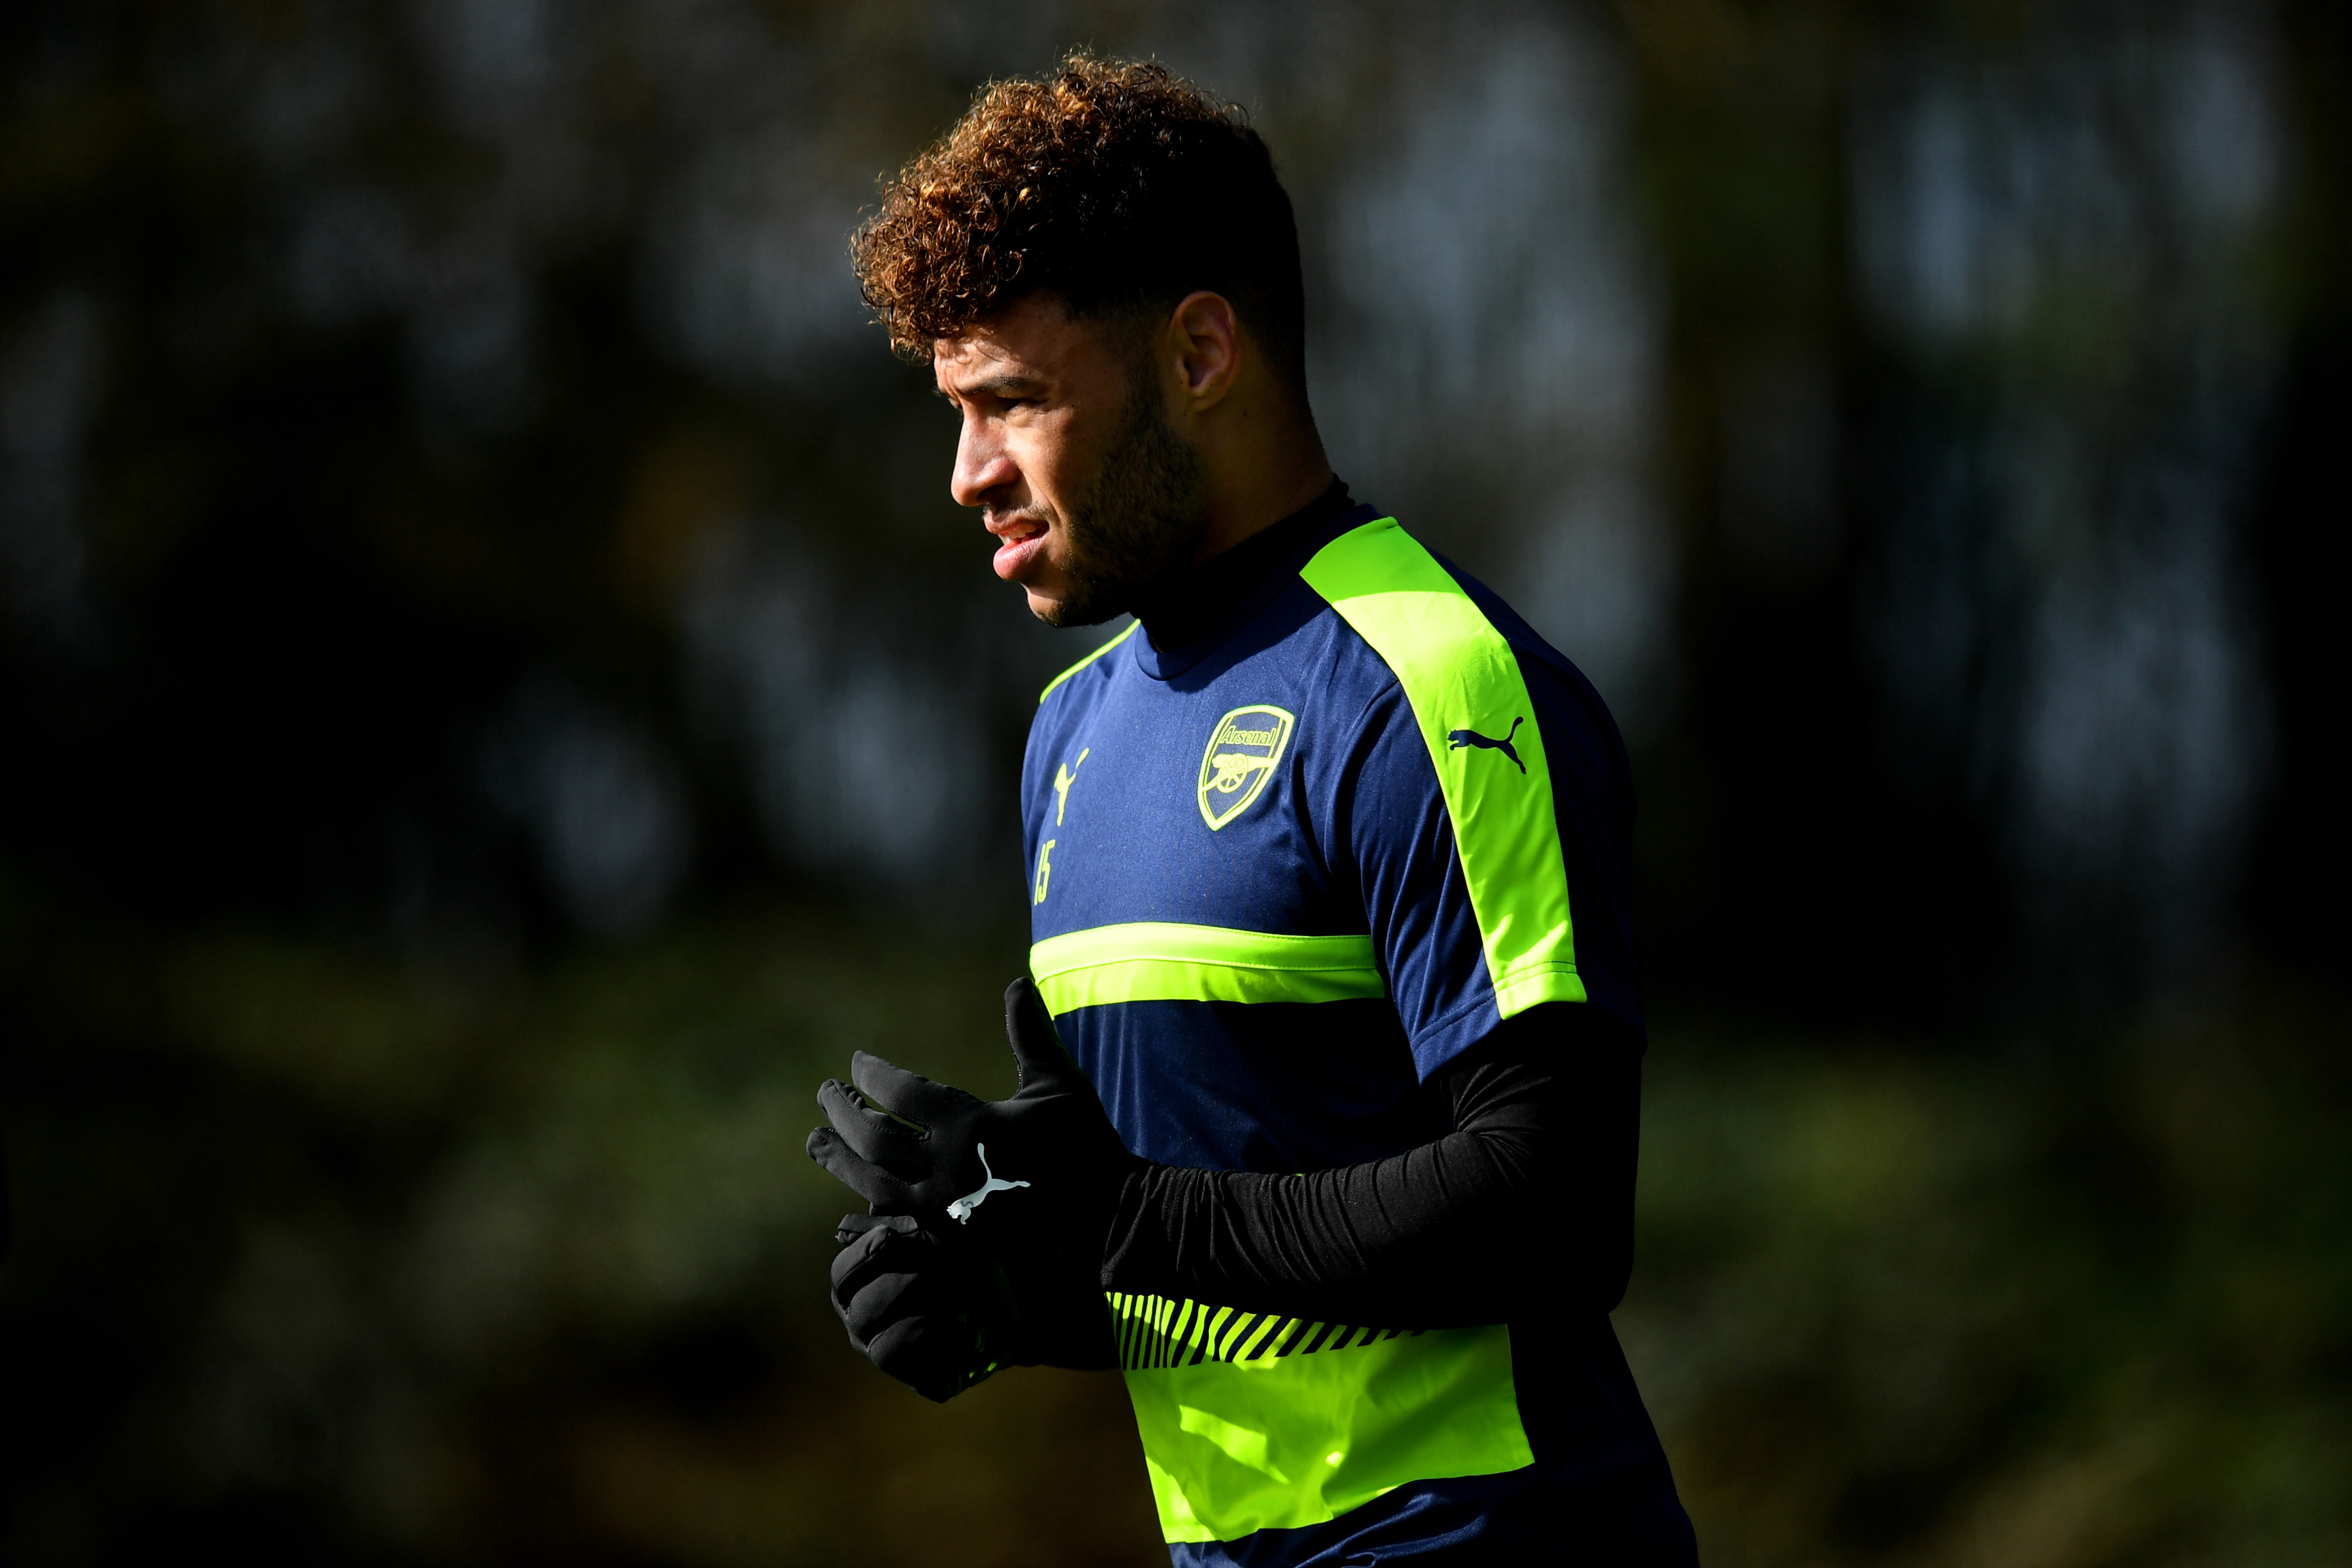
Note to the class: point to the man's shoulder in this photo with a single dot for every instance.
(1094, 662)
(1432, 622)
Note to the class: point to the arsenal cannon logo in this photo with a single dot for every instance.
(1242, 751)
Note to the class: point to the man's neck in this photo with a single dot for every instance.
(1187, 604)
(1253, 508)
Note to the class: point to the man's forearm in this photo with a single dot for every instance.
(1528, 1200)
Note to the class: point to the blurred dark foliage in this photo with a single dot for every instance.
(499, 704)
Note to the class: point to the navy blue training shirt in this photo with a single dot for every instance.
(1280, 877)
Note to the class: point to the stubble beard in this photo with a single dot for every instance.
(1143, 517)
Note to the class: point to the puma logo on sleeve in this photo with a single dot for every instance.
(1461, 738)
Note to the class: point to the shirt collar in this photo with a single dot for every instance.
(1189, 614)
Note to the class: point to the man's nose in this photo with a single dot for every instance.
(981, 465)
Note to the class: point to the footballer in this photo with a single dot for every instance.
(1330, 1050)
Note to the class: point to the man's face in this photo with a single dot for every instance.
(1067, 449)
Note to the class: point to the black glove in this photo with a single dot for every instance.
(1011, 1201)
(936, 1315)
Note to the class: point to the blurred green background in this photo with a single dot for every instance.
(498, 704)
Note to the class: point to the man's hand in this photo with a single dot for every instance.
(994, 1213)
(924, 1306)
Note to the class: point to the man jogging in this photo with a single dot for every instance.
(1327, 883)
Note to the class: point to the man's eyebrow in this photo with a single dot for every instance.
(996, 387)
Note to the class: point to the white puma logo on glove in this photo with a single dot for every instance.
(960, 1210)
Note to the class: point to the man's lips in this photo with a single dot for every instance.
(1020, 540)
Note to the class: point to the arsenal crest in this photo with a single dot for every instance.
(1242, 750)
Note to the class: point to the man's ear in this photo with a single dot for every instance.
(1206, 336)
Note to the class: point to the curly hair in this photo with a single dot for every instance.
(1112, 183)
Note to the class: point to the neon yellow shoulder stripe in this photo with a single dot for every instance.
(1087, 661)
(1471, 700)
(1149, 961)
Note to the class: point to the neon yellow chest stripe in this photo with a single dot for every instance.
(1466, 692)
(1151, 961)
(1281, 1438)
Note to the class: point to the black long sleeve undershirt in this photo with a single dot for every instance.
(1527, 1203)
